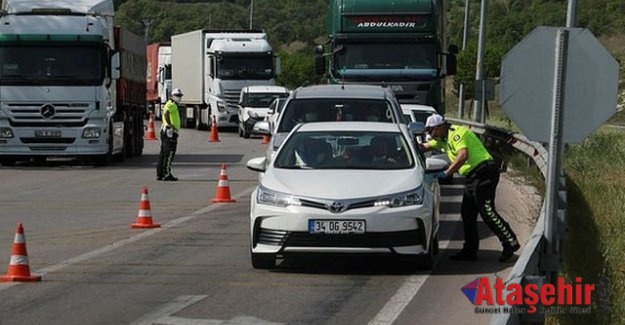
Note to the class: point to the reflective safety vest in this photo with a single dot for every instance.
(460, 137)
(174, 114)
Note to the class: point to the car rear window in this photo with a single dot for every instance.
(345, 150)
(335, 109)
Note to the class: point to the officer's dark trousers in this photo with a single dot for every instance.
(479, 197)
(166, 156)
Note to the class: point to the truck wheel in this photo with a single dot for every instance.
(198, 119)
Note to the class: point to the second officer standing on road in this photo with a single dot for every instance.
(470, 159)
(169, 137)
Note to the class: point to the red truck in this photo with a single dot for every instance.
(131, 89)
(158, 86)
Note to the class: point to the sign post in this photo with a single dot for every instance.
(578, 79)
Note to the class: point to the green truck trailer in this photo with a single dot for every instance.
(400, 43)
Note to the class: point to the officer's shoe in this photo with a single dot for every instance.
(508, 251)
(464, 255)
(170, 178)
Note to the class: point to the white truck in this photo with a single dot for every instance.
(211, 67)
(71, 84)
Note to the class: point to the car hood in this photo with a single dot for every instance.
(341, 184)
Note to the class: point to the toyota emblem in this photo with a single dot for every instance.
(47, 111)
(336, 206)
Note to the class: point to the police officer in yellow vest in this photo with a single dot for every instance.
(169, 137)
(469, 158)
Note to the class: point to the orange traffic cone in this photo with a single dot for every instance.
(266, 139)
(150, 135)
(222, 194)
(213, 136)
(19, 271)
(144, 219)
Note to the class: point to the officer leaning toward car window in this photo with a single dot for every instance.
(470, 159)
(169, 137)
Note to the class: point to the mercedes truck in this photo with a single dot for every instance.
(71, 83)
(400, 44)
(211, 67)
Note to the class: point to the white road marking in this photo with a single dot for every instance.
(173, 307)
(451, 199)
(409, 289)
(162, 316)
(124, 242)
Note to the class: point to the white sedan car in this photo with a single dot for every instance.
(346, 188)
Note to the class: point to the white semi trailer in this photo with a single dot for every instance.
(211, 67)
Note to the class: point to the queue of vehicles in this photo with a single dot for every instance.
(76, 86)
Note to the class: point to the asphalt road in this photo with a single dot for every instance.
(195, 269)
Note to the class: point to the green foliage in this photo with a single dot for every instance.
(466, 65)
(297, 22)
(298, 69)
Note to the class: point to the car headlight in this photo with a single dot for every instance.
(253, 114)
(269, 197)
(91, 132)
(221, 107)
(413, 197)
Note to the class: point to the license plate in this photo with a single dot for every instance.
(48, 133)
(190, 112)
(316, 226)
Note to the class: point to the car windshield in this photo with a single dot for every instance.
(345, 150)
(335, 109)
(263, 99)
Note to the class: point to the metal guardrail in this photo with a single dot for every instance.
(528, 266)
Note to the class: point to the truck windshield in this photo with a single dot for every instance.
(386, 56)
(233, 67)
(51, 65)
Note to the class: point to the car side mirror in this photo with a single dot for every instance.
(416, 128)
(257, 164)
(320, 60)
(261, 128)
(435, 165)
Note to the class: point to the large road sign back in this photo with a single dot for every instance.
(590, 84)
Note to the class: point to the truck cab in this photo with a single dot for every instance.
(399, 43)
(71, 84)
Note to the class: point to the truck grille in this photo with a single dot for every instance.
(232, 97)
(47, 115)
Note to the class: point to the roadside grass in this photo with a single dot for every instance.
(595, 243)
(594, 247)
